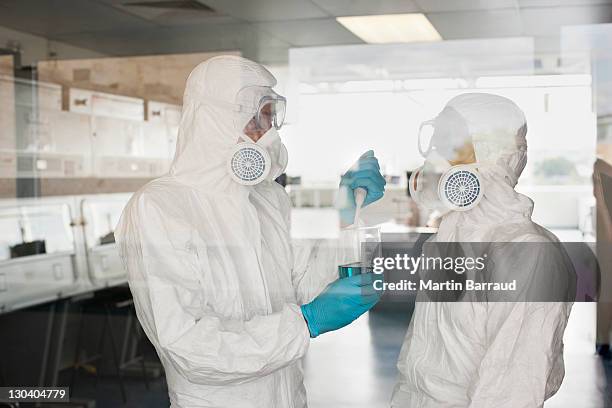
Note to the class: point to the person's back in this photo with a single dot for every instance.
(485, 353)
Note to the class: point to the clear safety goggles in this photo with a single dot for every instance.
(263, 106)
(425, 136)
(448, 136)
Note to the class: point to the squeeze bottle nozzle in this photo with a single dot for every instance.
(360, 195)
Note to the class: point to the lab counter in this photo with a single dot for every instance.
(35, 279)
(78, 254)
(34, 294)
(84, 260)
(57, 263)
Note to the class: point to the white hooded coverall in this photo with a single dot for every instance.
(489, 354)
(215, 280)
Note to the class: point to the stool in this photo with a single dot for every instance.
(102, 305)
(134, 329)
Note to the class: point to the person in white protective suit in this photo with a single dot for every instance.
(228, 304)
(481, 353)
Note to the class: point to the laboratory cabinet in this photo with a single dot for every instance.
(37, 138)
(161, 131)
(100, 215)
(104, 104)
(122, 144)
(37, 252)
(55, 144)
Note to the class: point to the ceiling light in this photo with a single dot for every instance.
(391, 28)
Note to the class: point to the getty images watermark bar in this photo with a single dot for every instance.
(485, 271)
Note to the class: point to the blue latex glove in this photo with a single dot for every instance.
(364, 173)
(340, 303)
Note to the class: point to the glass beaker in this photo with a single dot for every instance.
(364, 246)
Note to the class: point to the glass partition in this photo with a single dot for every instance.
(349, 99)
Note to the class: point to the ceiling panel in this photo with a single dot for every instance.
(477, 24)
(119, 42)
(545, 21)
(196, 38)
(228, 35)
(267, 10)
(51, 17)
(169, 17)
(464, 5)
(269, 27)
(339, 8)
(301, 33)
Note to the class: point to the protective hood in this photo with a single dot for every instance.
(211, 265)
(208, 130)
(477, 352)
(496, 128)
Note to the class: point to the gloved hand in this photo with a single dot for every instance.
(364, 173)
(340, 303)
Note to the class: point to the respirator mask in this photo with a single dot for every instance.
(258, 109)
(449, 179)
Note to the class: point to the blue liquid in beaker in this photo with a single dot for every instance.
(352, 269)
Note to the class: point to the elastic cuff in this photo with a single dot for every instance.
(307, 318)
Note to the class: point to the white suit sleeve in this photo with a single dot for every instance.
(316, 263)
(203, 346)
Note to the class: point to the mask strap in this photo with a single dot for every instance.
(419, 144)
(267, 138)
(242, 138)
